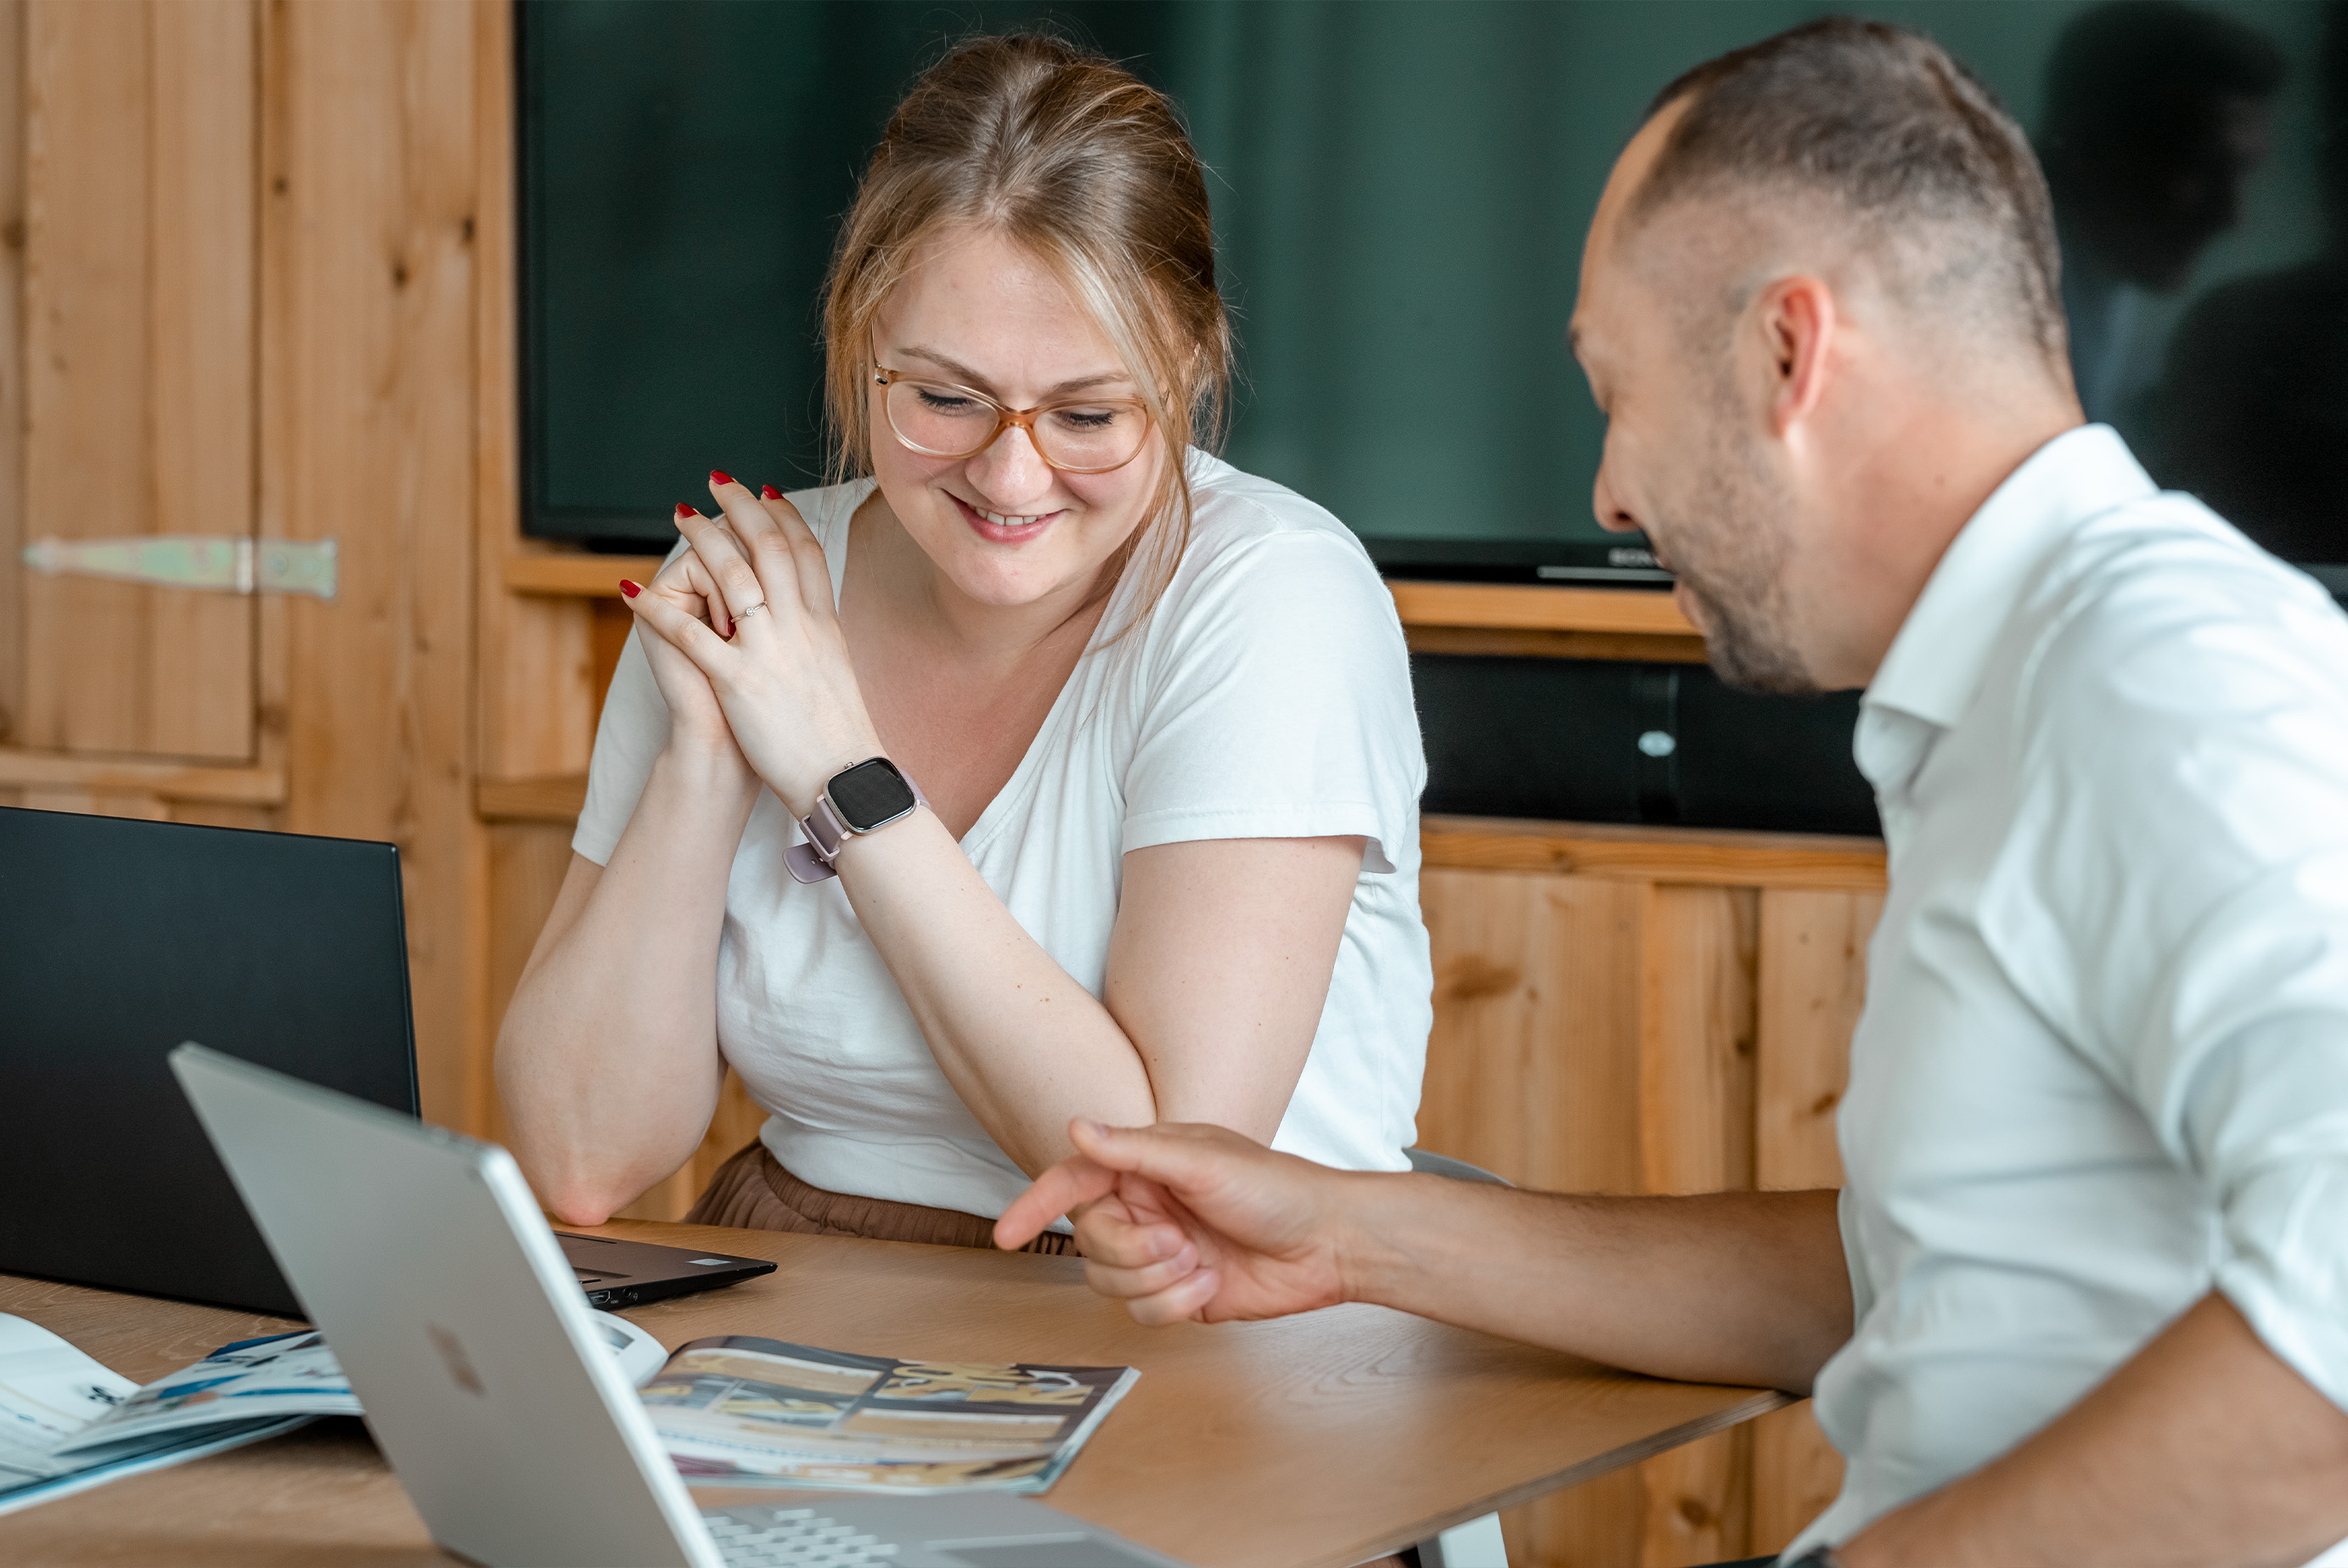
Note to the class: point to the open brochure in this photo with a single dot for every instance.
(738, 1411)
(67, 1423)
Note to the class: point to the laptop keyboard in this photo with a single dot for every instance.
(797, 1537)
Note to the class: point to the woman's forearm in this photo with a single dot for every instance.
(608, 1061)
(1024, 1046)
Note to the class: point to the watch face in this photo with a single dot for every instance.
(870, 794)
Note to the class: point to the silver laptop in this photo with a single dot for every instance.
(422, 1257)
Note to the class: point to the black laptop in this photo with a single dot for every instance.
(119, 939)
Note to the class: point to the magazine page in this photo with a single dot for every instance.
(252, 1379)
(51, 1394)
(739, 1410)
(278, 1376)
(48, 1392)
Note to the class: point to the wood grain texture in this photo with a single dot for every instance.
(203, 201)
(1533, 1058)
(1699, 1503)
(12, 369)
(1710, 857)
(140, 256)
(550, 800)
(1541, 642)
(135, 803)
(536, 712)
(1813, 982)
(1529, 605)
(1379, 1427)
(1796, 1475)
(574, 574)
(1697, 1039)
(167, 781)
(368, 365)
(206, 814)
(86, 268)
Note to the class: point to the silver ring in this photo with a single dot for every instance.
(747, 610)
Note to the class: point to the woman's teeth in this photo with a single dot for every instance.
(1001, 521)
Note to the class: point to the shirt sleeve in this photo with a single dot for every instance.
(2190, 767)
(628, 739)
(1279, 705)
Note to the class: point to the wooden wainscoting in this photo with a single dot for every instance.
(1650, 1011)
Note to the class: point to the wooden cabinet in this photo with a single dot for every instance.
(242, 301)
(1650, 1011)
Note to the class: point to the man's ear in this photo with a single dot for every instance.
(1797, 322)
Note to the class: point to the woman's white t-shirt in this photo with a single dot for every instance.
(1267, 695)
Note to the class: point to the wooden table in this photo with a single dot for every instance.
(1320, 1440)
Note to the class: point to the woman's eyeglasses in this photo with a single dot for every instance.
(1075, 436)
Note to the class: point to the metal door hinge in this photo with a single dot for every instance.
(231, 565)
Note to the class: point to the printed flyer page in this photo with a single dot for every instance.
(738, 1411)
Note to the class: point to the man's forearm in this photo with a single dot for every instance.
(2204, 1449)
(1732, 1288)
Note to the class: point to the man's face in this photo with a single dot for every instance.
(1687, 457)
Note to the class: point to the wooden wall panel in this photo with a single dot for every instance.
(203, 166)
(368, 367)
(139, 301)
(1651, 1016)
(86, 296)
(537, 716)
(1535, 1045)
(12, 371)
(1696, 1028)
(1813, 980)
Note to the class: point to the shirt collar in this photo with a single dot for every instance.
(1936, 661)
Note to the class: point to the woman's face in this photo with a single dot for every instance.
(1003, 527)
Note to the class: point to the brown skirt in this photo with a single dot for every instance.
(753, 1191)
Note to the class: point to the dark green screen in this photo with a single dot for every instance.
(1400, 187)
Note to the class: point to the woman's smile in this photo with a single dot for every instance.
(1004, 528)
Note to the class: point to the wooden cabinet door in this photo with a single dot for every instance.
(129, 160)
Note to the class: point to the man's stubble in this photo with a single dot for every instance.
(1730, 546)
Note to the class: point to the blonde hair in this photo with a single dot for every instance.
(1079, 162)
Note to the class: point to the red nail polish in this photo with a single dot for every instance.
(718, 477)
(629, 589)
(684, 511)
(769, 493)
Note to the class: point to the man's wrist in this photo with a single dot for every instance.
(1376, 1232)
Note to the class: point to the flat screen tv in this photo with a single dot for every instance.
(1400, 190)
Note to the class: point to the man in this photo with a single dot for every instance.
(2085, 1300)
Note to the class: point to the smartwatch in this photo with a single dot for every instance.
(863, 799)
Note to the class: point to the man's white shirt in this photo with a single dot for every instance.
(2103, 1065)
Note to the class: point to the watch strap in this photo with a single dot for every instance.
(827, 832)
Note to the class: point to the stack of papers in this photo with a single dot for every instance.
(736, 1411)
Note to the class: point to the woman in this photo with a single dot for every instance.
(1163, 864)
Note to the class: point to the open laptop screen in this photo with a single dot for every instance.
(118, 939)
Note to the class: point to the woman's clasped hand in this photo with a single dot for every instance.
(746, 644)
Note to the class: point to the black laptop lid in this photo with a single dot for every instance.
(119, 940)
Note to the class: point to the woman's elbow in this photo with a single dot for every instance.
(575, 1195)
